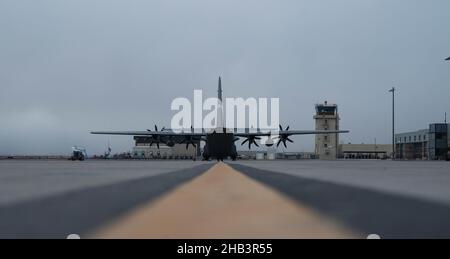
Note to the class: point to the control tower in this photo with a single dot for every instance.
(327, 118)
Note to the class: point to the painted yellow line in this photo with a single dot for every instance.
(223, 203)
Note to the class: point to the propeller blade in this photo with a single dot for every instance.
(281, 128)
(151, 143)
(187, 146)
(156, 128)
(284, 143)
(245, 141)
(157, 144)
(256, 144)
(288, 128)
(290, 140)
(249, 145)
(279, 142)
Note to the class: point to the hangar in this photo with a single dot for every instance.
(426, 144)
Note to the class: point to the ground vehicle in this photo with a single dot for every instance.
(78, 153)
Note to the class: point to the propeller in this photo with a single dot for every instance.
(190, 140)
(156, 129)
(281, 128)
(283, 138)
(251, 140)
(155, 139)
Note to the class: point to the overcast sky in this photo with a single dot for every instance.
(69, 67)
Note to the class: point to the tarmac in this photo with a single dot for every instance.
(243, 199)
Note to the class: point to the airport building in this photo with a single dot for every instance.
(296, 155)
(426, 144)
(327, 118)
(365, 151)
(273, 155)
(143, 150)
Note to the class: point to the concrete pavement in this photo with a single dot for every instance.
(244, 199)
(22, 180)
(224, 203)
(428, 180)
(364, 210)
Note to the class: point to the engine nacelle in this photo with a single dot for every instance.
(269, 142)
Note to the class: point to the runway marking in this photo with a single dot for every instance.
(224, 203)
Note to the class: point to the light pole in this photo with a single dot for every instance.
(393, 122)
(448, 59)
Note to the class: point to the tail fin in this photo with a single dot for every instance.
(219, 90)
(220, 123)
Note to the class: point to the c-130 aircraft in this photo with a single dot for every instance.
(220, 143)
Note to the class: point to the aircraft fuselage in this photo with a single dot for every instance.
(220, 146)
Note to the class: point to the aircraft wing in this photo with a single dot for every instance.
(311, 132)
(158, 137)
(289, 133)
(282, 136)
(149, 133)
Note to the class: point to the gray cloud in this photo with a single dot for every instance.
(68, 67)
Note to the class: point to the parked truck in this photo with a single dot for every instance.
(78, 153)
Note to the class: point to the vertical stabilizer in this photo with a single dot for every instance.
(220, 121)
(219, 90)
